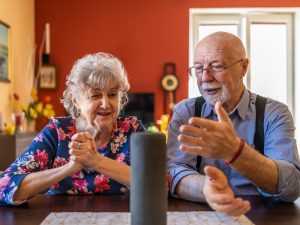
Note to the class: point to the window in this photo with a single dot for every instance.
(274, 63)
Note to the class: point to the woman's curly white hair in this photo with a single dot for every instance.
(97, 71)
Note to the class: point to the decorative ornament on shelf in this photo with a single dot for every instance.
(152, 129)
(46, 40)
(44, 57)
(169, 83)
(17, 116)
(9, 129)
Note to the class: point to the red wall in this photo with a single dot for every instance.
(143, 34)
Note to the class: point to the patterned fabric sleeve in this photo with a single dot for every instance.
(139, 127)
(126, 126)
(37, 157)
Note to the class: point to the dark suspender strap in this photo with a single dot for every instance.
(259, 136)
(198, 108)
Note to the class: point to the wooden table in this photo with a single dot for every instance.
(35, 211)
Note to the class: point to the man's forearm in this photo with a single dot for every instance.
(191, 188)
(259, 169)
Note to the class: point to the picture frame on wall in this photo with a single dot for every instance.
(5, 52)
(47, 79)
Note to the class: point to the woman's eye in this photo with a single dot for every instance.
(95, 96)
(113, 94)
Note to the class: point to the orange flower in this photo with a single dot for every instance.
(47, 99)
(16, 97)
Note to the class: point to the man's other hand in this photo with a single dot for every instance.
(219, 195)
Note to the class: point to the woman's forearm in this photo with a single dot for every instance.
(36, 182)
(112, 169)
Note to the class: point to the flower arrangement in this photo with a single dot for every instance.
(35, 108)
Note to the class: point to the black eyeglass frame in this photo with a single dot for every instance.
(211, 68)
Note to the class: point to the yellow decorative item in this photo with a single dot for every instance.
(9, 129)
(163, 122)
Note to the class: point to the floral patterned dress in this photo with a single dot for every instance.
(50, 149)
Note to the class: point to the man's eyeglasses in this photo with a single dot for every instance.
(213, 67)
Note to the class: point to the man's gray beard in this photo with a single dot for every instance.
(223, 97)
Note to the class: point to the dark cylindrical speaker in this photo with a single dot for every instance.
(148, 188)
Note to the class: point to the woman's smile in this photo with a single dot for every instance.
(104, 113)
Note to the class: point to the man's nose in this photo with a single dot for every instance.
(206, 75)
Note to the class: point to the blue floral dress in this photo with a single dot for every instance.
(49, 149)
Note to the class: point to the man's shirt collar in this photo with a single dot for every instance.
(241, 107)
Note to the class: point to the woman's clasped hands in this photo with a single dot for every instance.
(82, 150)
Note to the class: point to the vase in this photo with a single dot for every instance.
(18, 120)
(30, 126)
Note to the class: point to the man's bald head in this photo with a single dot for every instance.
(222, 42)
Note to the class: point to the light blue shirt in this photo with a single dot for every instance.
(280, 145)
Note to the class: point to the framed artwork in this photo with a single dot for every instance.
(47, 79)
(5, 52)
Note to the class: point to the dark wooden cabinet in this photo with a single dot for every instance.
(23, 140)
(7, 150)
(11, 146)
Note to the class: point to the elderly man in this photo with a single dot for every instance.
(218, 133)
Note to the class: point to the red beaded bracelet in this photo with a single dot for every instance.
(242, 143)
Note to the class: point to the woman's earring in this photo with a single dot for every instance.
(77, 114)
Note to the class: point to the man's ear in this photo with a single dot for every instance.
(245, 64)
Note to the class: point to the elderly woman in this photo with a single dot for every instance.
(87, 152)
